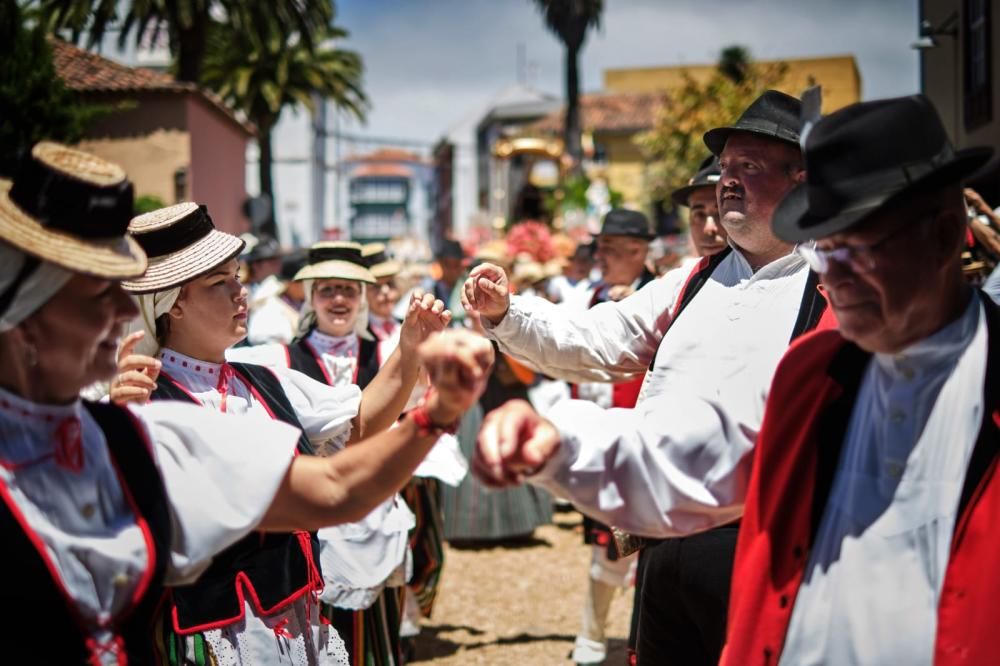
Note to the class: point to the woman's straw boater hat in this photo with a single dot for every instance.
(71, 209)
(182, 244)
(378, 261)
(336, 259)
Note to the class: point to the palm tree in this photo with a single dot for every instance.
(186, 22)
(260, 69)
(569, 20)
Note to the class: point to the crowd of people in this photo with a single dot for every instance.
(787, 442)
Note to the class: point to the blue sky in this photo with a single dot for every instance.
(429, 63)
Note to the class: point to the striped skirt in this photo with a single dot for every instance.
(371, 635)
(426, 541)
(474, 512)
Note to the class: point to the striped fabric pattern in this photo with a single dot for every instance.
(371, 635)
(426, 541)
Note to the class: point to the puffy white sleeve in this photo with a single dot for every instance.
(221, 473)
(675, 464)
(610, 342)
(270, 356)
(324, 411)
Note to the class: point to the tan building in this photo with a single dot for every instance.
(960, 73)
(837, 74)
(175, 141)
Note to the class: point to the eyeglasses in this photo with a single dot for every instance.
(860, 258)
(349, 292)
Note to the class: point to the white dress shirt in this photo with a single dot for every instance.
(678, 462)
(871, 587)
(91, 537)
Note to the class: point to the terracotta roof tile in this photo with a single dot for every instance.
(386, 155)
(366, 170)
(611, 112)
(88, 72)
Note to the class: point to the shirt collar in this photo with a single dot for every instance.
(780, 267)
(333, 345)
(175, 362)
(937, 350)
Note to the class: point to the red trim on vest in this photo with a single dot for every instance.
(314, 582)
(698, 268)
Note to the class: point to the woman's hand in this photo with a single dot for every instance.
(137, 373)
(425, 316)
(458, 364)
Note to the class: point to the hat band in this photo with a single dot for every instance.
(59, 201)
(321, 254)
(867, 189)
(181, 234)
(377, 258)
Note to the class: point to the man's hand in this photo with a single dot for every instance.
(514, 442)
(137, 373)
(458, 364)
(425, 316)
(487, 292)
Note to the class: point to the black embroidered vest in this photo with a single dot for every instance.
(302, 358)
(42, 628)
(277, 567)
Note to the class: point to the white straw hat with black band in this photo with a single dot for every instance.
(182, 244)
(379, 262)
(336, 259)
(72, 209)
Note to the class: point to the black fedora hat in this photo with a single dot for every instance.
(707, 176)
(773, 115)
(866, 156)
(625, 222)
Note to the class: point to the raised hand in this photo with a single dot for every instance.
(514, 442)
(424, 316)
(137, 373)
(458, 365)
(487, 292)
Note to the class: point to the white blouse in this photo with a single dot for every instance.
(325, 412)
(68, 492)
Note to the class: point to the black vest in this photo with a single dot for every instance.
(41, 628)
(302, 358)
(278, 566)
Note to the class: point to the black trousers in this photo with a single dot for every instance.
(684, 597)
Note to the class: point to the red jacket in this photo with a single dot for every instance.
(797, 451)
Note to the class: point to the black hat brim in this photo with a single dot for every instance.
(793, 222)
(682, 195)
(640, 236)
(716, 138)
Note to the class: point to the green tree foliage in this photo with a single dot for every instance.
(147, 203)
(34, 102)
(674, 146)
(570, 20)
(186, 22)
(260, 69)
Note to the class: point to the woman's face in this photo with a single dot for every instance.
(210, 315)
(76, 336)
(382, 296)
(337, 303)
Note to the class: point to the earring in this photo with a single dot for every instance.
(31, 355)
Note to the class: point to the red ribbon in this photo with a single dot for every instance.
(225, 374)
(69, 444)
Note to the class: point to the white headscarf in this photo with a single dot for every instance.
(151, 307)
(307, 315)
(41, 284)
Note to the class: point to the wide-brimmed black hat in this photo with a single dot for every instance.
(707, 176)
(449, 249)
(866, 156)
(773, 115)
(625, 222)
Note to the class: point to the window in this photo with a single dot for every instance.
(978, 89)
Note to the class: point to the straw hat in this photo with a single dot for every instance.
(182, 244)
(336, 259)
(71, 208)
(378, 261)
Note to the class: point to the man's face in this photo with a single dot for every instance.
(756, 174)
(621, 258)
(886, 293)
(451, 269)
(707, 233)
